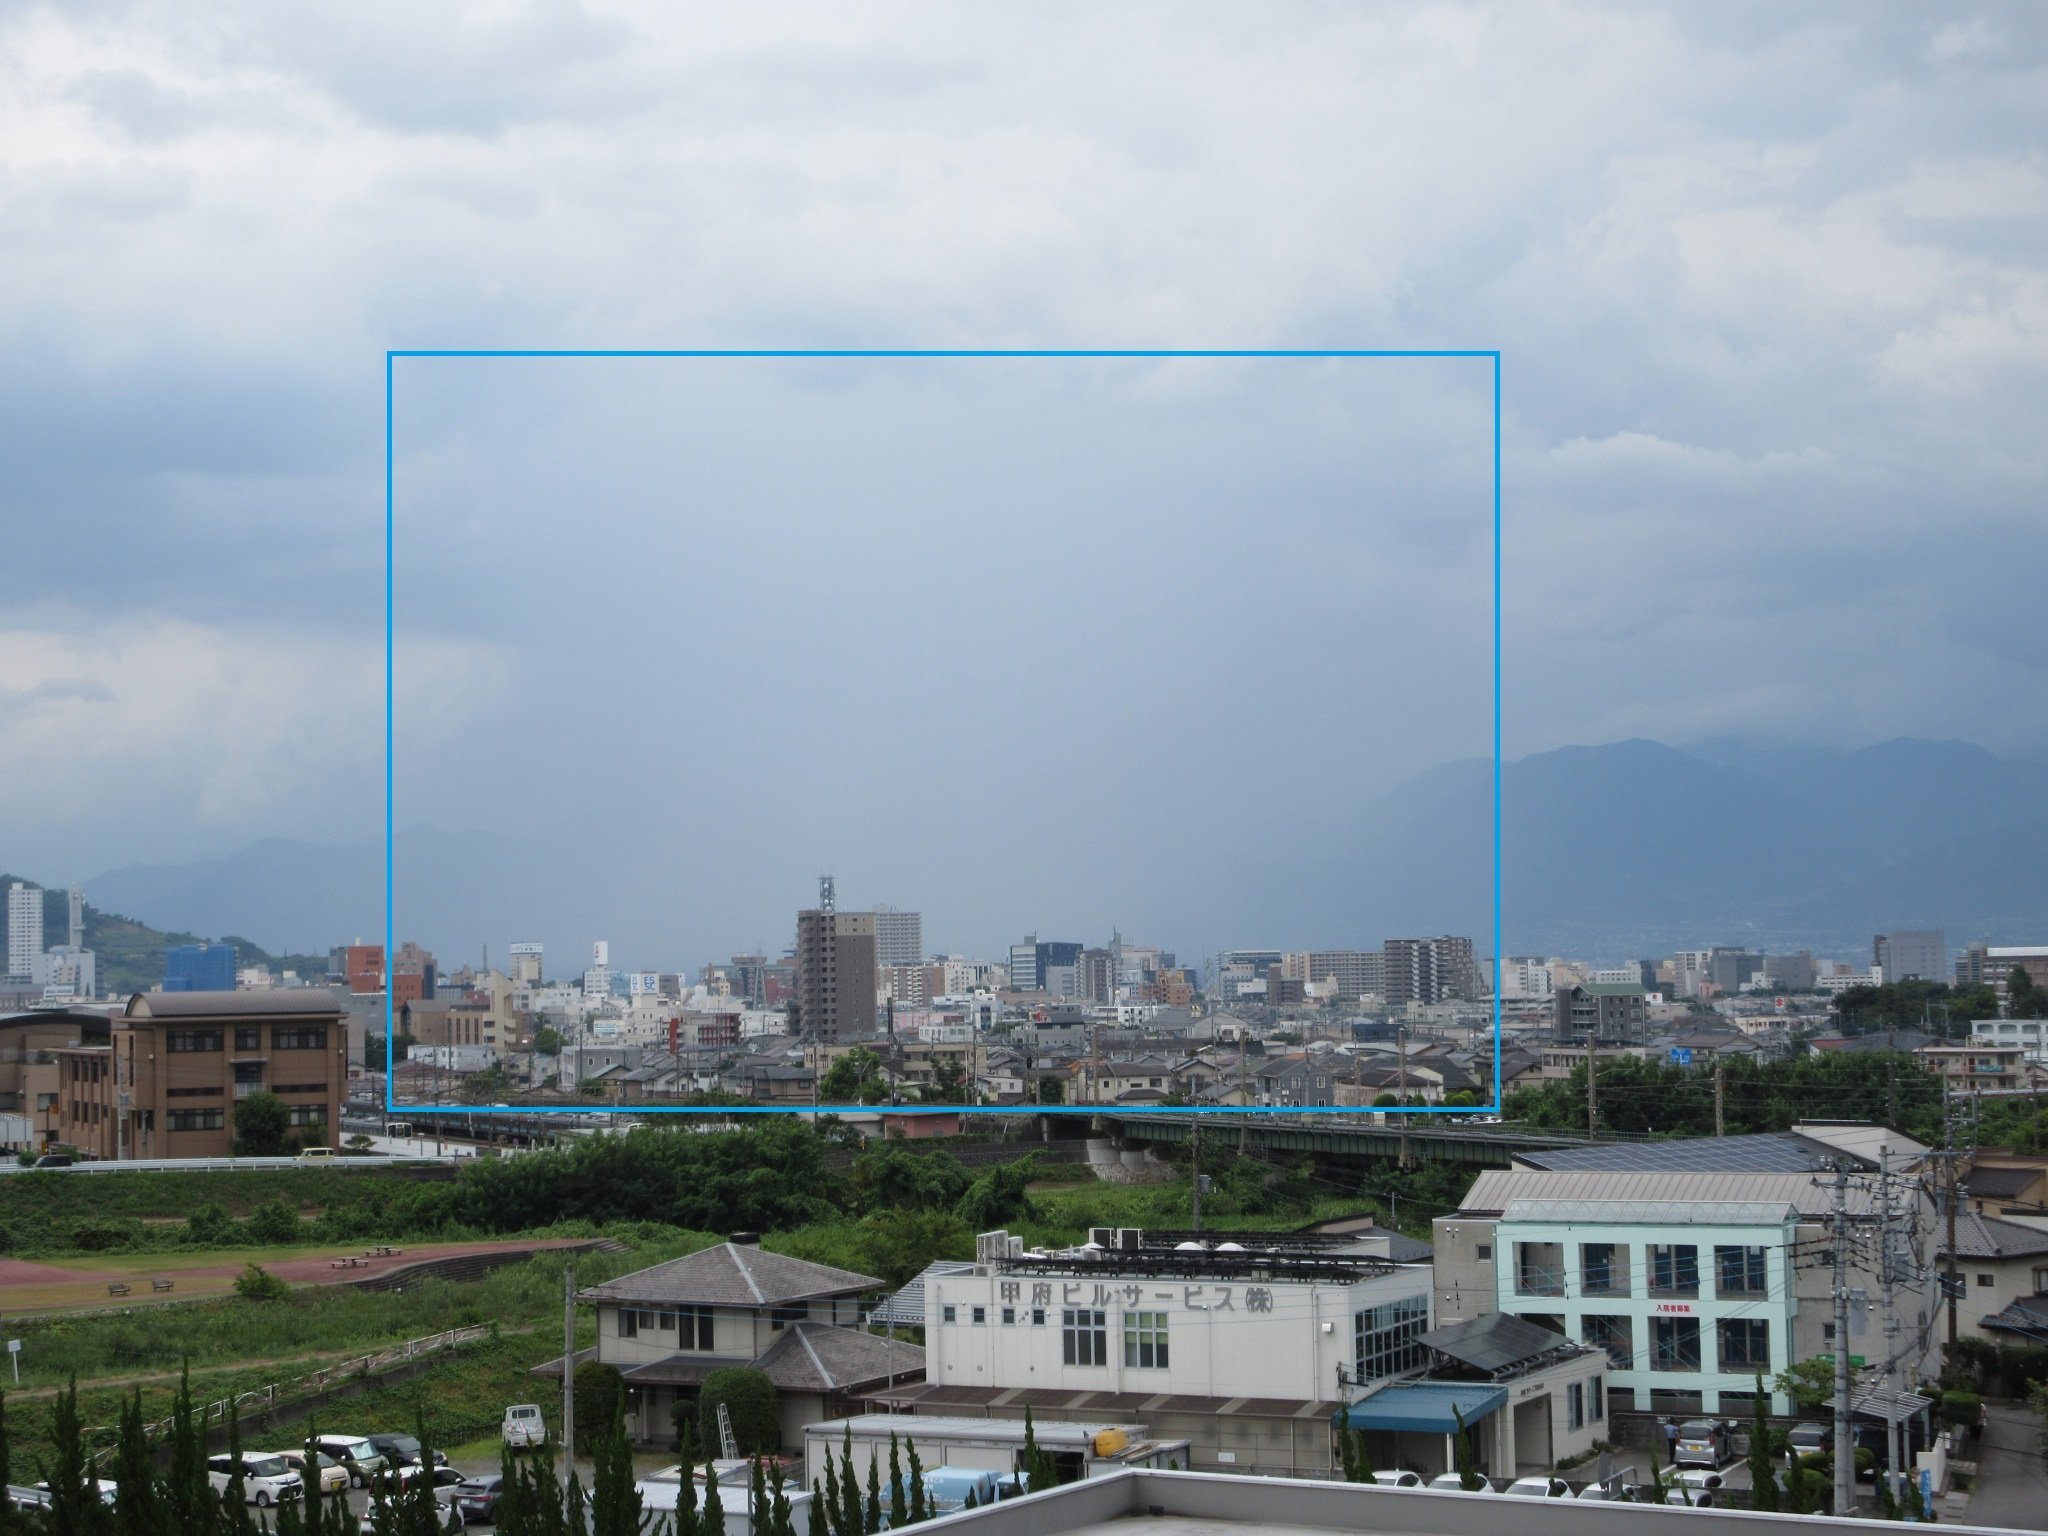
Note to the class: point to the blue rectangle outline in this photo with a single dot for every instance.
(391, 357)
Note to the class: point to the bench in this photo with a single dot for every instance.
(161, 1285)
(117, 1289)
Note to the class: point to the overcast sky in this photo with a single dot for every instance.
(1768, 281)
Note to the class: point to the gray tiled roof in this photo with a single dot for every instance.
(1986, 1237)
(731, 1275)
(817, 1357)
(2000, 1183)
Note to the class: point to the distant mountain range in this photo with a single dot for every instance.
(1629, 849)
(1636, 848)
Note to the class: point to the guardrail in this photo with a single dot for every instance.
(279, 1394)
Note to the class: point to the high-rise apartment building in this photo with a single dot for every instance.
(199, 968)
(1429, 970)
(25, 931)
(835, 975)
(1911, 954)
(1357, 972)
(899, 937)
(526, 965)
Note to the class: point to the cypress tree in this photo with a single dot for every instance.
(712, 1521)
(1763, 1477)
(1468, 1474)
(871, 1517)
(919, 1510)
(615, 1502)
(760, 1517)
(819, 1526)
(899, 1509)
(849, 1490)
(1029, 1454)
(140, 1511)
(833, 1506)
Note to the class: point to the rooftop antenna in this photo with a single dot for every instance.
(828, 896)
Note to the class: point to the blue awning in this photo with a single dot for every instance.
(1425, 1407)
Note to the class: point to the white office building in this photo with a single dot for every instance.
(597, 979)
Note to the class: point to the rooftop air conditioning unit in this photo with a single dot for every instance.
(1101, 1237)
(1130, 1239)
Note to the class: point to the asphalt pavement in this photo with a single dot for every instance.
(2012, 1483)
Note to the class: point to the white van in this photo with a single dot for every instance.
(523, 1425)
(267, 1479)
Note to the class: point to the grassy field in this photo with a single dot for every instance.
(146, 1195)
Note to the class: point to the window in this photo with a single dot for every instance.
(299, 1088)
(1383, 1337)
(248, 1038)
(1009, 1316)
(1674, 1343)
(979, 1316)
(1483, 1252)
(782, 1317)
(1145, 1340)
(1575, 1406)
(1986, 1282)
(665, 1321)
(303, 1037)
(1745, 1343)
(629, 1323)
(1613, 1332)
(193, 1093)
(949, 1313)
(1038, 1317)
(694, 1324)
(1596, 1391)
(1084, 1336)
(305, 1114)
(192, 1040)
(1599, 1272)
(197, 1119)
(1674, 1269)
(1740, 1271)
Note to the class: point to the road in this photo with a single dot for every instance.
(2012, 1484)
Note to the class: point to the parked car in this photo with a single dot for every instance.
(401, 1478)
(523, 1425)
(477, 1498)
(1701, 1443)
(357, 1457)
(266, 1480)
(1453, 1482)
(402, 1450)
(315, 1155)
(1698, 1479)
(108, 1488)
(55, 1160)
(333, 1475)
(1397, 1479)
(1809, 1440)
(1539, 1487)
(1613, 1491)
(20, 1496)
(449, 1512)
(1694, 1498)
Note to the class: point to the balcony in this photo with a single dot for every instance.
(1539, 1282)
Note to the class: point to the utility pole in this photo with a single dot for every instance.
(1401, 1040)
(1845, 1444)
(1593, 1081)
(1887, 1278)
(568, 1370)
(1951, 1282)
(1720, 1097)
(1195, 1188)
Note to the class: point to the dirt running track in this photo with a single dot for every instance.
(29, 1286)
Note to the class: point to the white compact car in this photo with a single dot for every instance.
(267, 1479)
(1452, 1482)
(333, 1475)
(1539, 1488)
(1397, 1479)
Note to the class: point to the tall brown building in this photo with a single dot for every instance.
(1428, 970)
(177, 1064)
(835, 975)
(30, 1046)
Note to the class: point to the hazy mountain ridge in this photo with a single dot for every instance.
(1632, 848)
